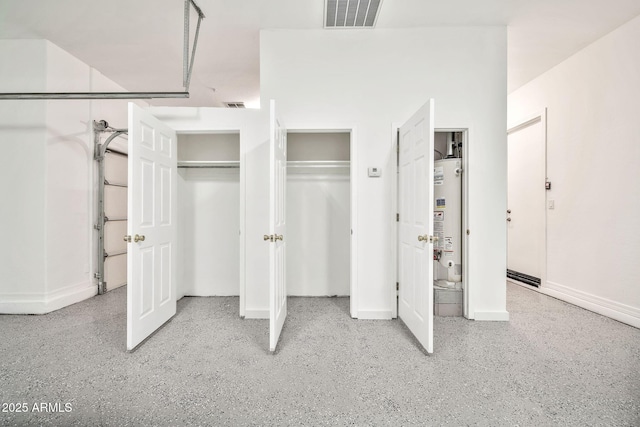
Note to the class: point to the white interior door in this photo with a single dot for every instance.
(277, 227)
(152, 225)
(415, 202)
(526, 202)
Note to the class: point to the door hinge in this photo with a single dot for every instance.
(397, 286)
(397, 217)
(97, 276)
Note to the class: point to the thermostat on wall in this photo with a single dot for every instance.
(375, 172)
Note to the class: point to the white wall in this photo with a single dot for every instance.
(318, 224)
(22, 172)
(369, 79)
(593, 149)
(51, 170)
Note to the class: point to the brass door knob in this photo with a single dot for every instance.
(280, 237)
(268, 237)
(424, 238)
(127, 238)
(138, 238)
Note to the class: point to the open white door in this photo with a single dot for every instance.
(152, 226)
(277, 227)
(415, 203)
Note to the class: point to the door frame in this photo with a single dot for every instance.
(353, 183)
(523, 123)
(243, 216)
(466, 277)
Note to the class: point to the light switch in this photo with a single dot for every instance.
(375, 172)
(552, 204)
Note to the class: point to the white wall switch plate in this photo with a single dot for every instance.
(375, 172)
(552, 204)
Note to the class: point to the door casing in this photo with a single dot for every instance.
(539, 117)
(353, 167)
(466, 280)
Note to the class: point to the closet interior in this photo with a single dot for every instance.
(208, 214)
(318, 214)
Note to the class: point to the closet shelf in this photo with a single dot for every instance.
(318, 167)
(208, 164)
(318, 164)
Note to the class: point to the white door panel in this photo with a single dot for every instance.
(116, 168)
(115, 271)
(277, 227)
(415, 299)
(113, 232)
(115, 202)
(152, 208)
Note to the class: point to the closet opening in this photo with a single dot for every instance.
(451, 283)
(449, 217)
(319, 212)
(208, 214)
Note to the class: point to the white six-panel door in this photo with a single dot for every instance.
(415, 203)
(277, 227)
(152, 226)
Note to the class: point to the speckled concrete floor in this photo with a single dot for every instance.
(552, 364)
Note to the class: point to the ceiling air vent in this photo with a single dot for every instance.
(351, 13)
(234, 104)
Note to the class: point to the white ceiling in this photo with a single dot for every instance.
(138, 43)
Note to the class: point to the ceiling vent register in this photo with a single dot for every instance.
(234, 104)
(351, 13)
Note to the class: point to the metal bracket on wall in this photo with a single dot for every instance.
(186, 80)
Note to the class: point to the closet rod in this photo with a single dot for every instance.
(209, 164)
(318, 164)
(208, 167)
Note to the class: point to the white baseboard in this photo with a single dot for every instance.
(606, 307)
(491, 316)
(36, 303)
(256, 314)
(375, 314)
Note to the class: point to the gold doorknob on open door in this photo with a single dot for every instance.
(424, 238)
(138, 238)
(127, 238)
(280, 237)
(433, 239)
(268, 237)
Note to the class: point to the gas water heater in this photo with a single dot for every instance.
(447, 223)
